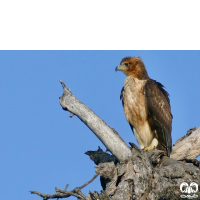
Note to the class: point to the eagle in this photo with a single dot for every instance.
(146, 106)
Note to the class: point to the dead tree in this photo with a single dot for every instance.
(131, 173)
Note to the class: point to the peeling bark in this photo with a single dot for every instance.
(147, 175)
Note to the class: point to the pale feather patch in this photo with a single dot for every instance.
(154, 142)
(161, 104)
(135, 110)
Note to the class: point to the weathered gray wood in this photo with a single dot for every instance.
(110, 138)
(187, 147)
(148, 176)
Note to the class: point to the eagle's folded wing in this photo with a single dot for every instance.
(159, 113)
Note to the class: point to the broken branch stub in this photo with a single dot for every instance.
(187, 147)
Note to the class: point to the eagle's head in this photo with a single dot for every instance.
(133, 66)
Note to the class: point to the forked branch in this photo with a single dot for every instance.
(76, 192)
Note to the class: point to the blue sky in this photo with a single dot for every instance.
(42, 147)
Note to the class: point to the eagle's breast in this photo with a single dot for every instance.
(135, 110)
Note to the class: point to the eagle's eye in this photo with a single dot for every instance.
(127, 64)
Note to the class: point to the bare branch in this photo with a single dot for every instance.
(49, 196)
(64, 194)
(66, 187)
(109, 136)
(187, 147)
(75, 192)
(82, 186)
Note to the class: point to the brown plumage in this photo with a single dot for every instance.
(146, 106)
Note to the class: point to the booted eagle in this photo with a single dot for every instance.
(146, 106)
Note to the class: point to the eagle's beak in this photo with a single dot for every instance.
(120, 68)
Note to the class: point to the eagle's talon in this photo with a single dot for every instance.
(151, 147)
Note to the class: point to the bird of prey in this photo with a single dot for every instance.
(146, 106)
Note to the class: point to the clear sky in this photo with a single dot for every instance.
(41, 147)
